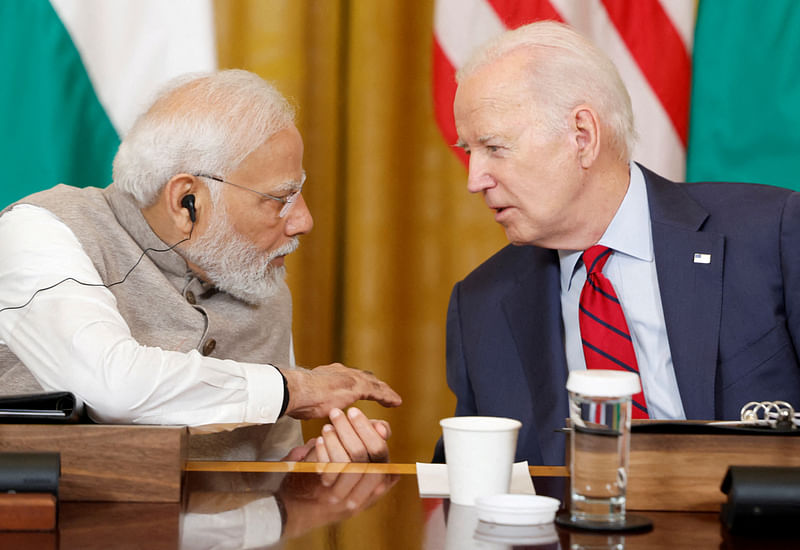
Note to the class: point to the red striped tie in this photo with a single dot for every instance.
(604, 332)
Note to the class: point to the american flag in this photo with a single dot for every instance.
(650, 41)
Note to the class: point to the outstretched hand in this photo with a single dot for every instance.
(315, 393)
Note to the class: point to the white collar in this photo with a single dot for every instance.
(628, 233)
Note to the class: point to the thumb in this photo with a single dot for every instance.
(382, 427)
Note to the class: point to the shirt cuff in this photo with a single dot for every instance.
(263, 523)
(285, 392)
(266, 392)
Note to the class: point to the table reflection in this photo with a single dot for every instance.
(465, 531)
(252, 510)
(343, 511)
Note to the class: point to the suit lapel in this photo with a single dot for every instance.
(533, 312)
(691, 292)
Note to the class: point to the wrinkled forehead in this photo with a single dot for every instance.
(489, 98)
(504, 80)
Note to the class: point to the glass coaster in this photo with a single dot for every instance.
(631, 523)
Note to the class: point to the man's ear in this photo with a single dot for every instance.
(182, 201)
(586, 127)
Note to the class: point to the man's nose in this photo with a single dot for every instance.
(478, 179)
(298, 219)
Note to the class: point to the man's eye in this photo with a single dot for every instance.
(493, 148)
(285, 195)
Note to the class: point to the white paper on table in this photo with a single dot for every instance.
(433, 482)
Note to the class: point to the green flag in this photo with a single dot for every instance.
(745, 107)
(76, 75)
(53, 126)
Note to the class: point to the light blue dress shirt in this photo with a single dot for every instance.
(632, 271)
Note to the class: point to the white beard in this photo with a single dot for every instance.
(234, 264)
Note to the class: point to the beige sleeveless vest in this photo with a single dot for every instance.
(167, 306)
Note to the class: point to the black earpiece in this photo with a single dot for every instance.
(188, 203)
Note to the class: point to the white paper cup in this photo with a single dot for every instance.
(480, 453)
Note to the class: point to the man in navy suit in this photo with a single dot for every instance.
(707, 275)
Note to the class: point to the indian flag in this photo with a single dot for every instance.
(714, 84)
(78, 72)
(745, 108)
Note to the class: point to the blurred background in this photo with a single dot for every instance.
(715, 89)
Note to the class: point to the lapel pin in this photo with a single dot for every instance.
(702, 258)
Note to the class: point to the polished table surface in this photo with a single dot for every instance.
(341, 507)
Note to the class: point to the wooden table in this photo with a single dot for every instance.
(387, 514)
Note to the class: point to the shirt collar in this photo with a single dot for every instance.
(628, 233)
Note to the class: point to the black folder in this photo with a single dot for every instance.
(684, 427)
(38, 408)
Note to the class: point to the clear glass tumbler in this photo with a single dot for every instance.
(600, 414)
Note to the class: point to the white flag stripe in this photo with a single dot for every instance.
(659, 148)
(130, 48)
(683, 14)
(461, 26)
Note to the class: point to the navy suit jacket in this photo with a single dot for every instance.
(733, 325)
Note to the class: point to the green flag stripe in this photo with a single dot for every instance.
(54, 128)
(745, 120)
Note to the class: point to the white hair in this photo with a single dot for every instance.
(564, 70)
(209, 123)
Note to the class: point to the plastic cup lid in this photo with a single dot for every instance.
(512, 502)
(603, 383)
(517, 509)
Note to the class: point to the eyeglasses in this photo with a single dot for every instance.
(286, 201)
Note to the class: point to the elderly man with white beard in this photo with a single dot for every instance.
(161, 298)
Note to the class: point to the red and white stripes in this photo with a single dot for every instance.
(650, 41)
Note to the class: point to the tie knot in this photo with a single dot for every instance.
(595, 258)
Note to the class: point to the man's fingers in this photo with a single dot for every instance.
(348, 436)
(361, 493)
(333, 444)
(326, 478)
(369, 438)
(320, 450)
(375, 389)
(353, 437)
(341, 489)
(381, 392)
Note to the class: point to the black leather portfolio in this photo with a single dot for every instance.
(42, 408)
